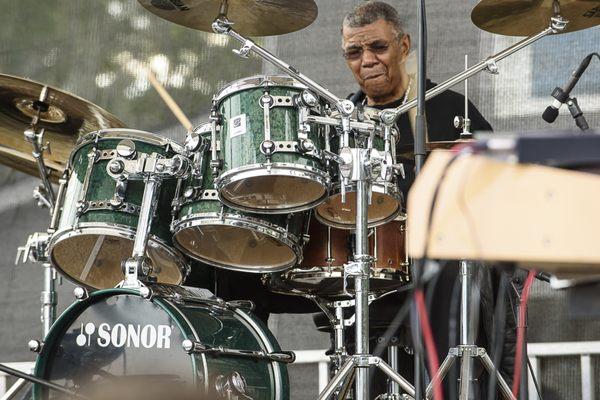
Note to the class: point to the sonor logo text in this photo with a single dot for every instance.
(125, 335)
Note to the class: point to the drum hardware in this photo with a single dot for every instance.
(464, 123)
(152, 170)
(467, 350)
(234, 385)
(195, 347)
(557, 25)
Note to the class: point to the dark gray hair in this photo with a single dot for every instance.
(371, 11)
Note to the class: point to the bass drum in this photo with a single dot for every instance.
(115, 335)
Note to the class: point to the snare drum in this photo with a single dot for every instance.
(271, 162)
(98, 216)
(218, 235)
(386, 200)
(322, 270)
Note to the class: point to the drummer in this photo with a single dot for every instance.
(376, 48)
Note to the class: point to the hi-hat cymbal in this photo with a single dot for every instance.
(530, 17)
(249, 17)
(66, 119)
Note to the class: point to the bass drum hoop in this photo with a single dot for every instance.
(121, 231)
(274, 169)
(227, 219)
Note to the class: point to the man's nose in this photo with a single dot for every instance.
(369, 58)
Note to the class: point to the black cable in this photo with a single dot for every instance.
(535, 382)
(498, 335)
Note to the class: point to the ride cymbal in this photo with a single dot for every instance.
(249, 17)
(65, 120)
(527, 17)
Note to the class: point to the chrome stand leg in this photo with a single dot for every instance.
(346, 368)
(49, 297)
(393, 386)
(14, 389)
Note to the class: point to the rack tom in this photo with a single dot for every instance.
(99, 215)
(271, 160)
(211, 232)
(385, 204)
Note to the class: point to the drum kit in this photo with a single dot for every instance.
(283, 180)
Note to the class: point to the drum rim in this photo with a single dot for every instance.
(122, 231)
(282, 169)
(126, 133)
(243, 84)
(377, 187)
(229, 219)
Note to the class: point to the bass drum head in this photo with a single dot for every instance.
(92, 257)
(116, 342)
(237, 244)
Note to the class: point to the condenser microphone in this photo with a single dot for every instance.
(561, 95)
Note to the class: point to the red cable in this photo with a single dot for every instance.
(432, 356)
(521, 331)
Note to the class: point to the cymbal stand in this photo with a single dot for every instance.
(36, 250)
(467, 351)
(35, 136)
(151, 169)
(556, 25)
(464, 123)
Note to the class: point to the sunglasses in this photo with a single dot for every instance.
(378, 47)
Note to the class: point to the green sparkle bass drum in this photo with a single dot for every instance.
(162, 341)
(271, 157)
(209, 231)
(99, 214)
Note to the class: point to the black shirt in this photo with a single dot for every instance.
(439, 112)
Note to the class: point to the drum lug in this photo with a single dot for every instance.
(80, 293)
(267, 147)
(266, 102)
(35, 345)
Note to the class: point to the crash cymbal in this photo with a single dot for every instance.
(529, 17)
(66, 119)
(249, 17)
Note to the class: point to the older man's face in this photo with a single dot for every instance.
(376, 57)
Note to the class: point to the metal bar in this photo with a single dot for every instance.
(38, 153)
(466, 375)
(533, 394)
(14, 389)
(393, 386)
(323, 92)
(146, 213)
(337, 380)
(489, 366)
(361, 282)
(404, 384)
(466, 331)
(40, 381)
(323, 375)
(587, 378)
(441, 373)
(49, 298)
(563, 348)
(394, 113)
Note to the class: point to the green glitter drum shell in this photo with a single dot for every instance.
(89, 249)
(289, 181)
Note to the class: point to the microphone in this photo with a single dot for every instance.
(562, 95)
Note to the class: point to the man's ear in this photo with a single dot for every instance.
(405, 42)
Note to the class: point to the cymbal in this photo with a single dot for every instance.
(67, 118)
(527, 17)
(249, 17)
